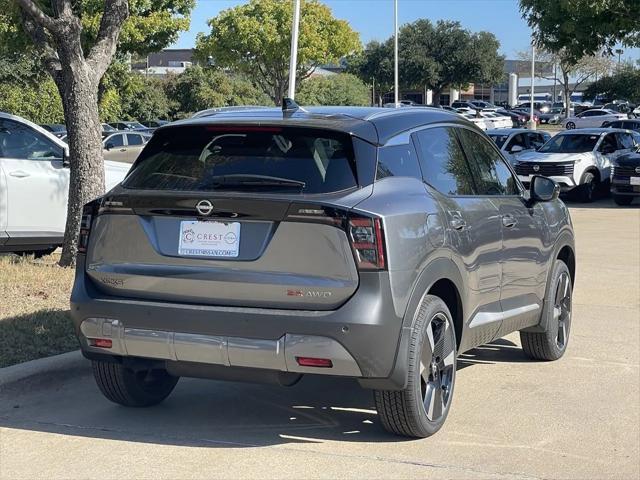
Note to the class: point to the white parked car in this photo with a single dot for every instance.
(481, 123)
(34, 186)
(595, 117)
(498, 121)
(516, 141)
(577, 160)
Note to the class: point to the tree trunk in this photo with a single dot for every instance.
(79, 91)
(436, 96)
(567, 94)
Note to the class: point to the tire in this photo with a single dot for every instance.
(570, 125)
(623, 200)
(422, 407)
(552, 343)
(587, 190)
(131, 388)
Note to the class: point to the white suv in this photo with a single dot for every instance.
(577, 160)
(34, 186)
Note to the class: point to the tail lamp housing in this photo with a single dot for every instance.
(367, 241)
(89, 212)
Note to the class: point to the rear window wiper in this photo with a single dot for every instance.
(241, 179)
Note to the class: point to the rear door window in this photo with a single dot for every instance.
(134, 139)
(443, 163)
(251, 158)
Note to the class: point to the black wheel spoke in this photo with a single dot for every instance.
(437, 366)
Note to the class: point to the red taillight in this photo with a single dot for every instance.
(101, 342)
(314, 362)
(367, 240)
(88, 213)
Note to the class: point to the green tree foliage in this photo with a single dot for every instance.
(446, 55)
(37, 101)
(254, 40)
(200, 88)
(434, 56)
(582, 27)
(342, 89)
(374, 65)
(624, 84)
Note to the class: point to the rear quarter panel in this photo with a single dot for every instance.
(414, 232)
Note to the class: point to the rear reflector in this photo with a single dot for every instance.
(101, 342)
(314, 362)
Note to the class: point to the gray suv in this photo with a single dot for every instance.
(370, 243)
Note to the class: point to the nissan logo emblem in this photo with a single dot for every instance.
(204, 207)
(637, 169)
(536, 168)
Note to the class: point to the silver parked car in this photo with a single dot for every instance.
(370, 243)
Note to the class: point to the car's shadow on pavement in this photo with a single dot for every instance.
(214, 414)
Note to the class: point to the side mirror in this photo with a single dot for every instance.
(607, 149)
(543, 189)
(108, 146)
(516, 149)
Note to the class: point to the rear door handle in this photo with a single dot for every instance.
(509, 221)
(19, 174)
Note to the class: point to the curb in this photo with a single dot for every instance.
(47, 365)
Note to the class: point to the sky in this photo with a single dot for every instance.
(373, 19)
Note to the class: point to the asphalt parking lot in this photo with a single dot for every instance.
(511, 417)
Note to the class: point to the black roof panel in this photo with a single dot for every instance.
(373, 124)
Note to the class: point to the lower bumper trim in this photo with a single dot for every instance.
(277, 354)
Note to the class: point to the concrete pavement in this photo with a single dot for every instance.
(511, 418)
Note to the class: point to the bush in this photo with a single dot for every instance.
(38, 101)
(200, 88)
(341, 89)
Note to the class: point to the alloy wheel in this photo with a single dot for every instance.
(437, 367)
(562, 309)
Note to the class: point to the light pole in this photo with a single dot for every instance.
(532, 122)
(619, 51)
(395, 53)
(293, 64)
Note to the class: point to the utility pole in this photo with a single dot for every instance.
(293, 64)
(532, 122)
(619, 51)
(395, 53)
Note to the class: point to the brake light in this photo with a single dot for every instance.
(89, 212)
(367, 241)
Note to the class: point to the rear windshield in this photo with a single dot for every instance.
(576, 143)
(245, 159)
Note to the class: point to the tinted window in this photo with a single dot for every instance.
(570, 143)
(22, 142)
(443, 162)
(499, 139)
(231, 158)
(491, 175)
(518, 140)
(609, 143)
(536, 140)
(398, 161)
(624, 140)
(134, 139)
(115, 141)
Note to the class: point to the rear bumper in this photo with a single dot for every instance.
(361, 338)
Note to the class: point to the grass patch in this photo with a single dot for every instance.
(34, 309)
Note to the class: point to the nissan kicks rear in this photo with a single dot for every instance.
(369, 243)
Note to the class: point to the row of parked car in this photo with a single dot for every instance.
(122, 141)
(583, 162)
